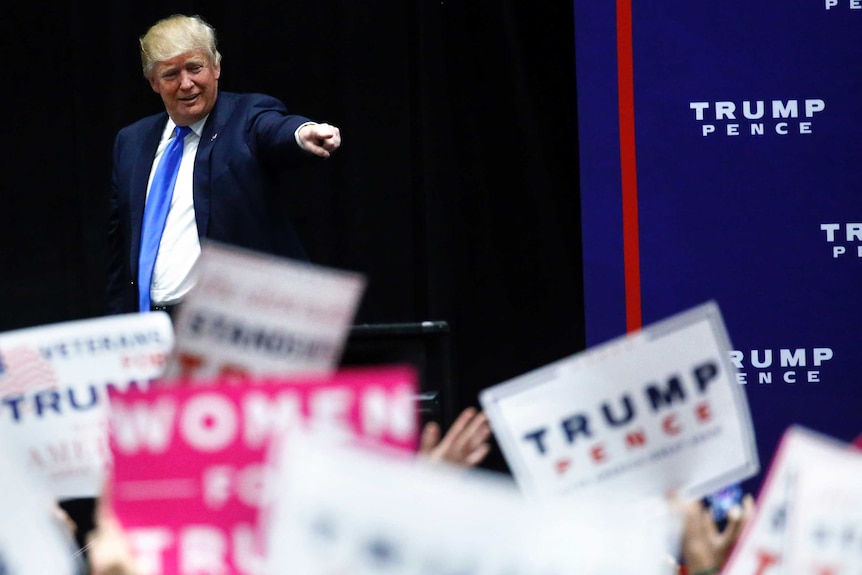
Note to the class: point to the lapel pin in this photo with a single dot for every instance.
(214, 137)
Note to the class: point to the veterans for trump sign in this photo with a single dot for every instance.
(644, 414)
(54, 383)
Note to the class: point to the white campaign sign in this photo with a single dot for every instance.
(54, 389)
(32, 541)
(251, 313)
(825, 527)
(351, 511)
(634, 418)
(808, 518)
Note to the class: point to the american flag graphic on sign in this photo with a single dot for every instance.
(24, 369)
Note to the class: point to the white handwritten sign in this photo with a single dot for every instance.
(251, 313)
(54, 383)
(651, 412)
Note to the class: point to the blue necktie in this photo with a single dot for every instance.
(156, 212)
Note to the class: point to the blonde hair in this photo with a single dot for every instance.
(176, 35)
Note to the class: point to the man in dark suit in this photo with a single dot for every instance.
(231, 156)
(236, 147)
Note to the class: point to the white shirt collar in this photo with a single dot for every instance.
(197, 127)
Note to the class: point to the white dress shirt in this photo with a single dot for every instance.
(180, 246)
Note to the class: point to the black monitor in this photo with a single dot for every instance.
(423, 345)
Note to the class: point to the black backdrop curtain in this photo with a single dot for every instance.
(455, 191)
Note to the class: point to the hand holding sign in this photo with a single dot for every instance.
(108, 548)
(466, 442)
(704, 547)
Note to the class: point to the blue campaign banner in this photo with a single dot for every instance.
(721, 159)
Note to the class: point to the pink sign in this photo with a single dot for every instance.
(189, 460)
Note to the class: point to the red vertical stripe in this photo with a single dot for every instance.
(628, 166)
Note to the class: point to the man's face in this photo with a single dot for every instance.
(188, 85)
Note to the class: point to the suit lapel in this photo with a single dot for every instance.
(140, 179)
(203, 172)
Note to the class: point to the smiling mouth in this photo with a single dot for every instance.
(189, 98)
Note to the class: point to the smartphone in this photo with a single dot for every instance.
(723, 501)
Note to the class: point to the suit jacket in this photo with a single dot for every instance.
(247, 141)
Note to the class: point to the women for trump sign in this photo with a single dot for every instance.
(189, 470)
